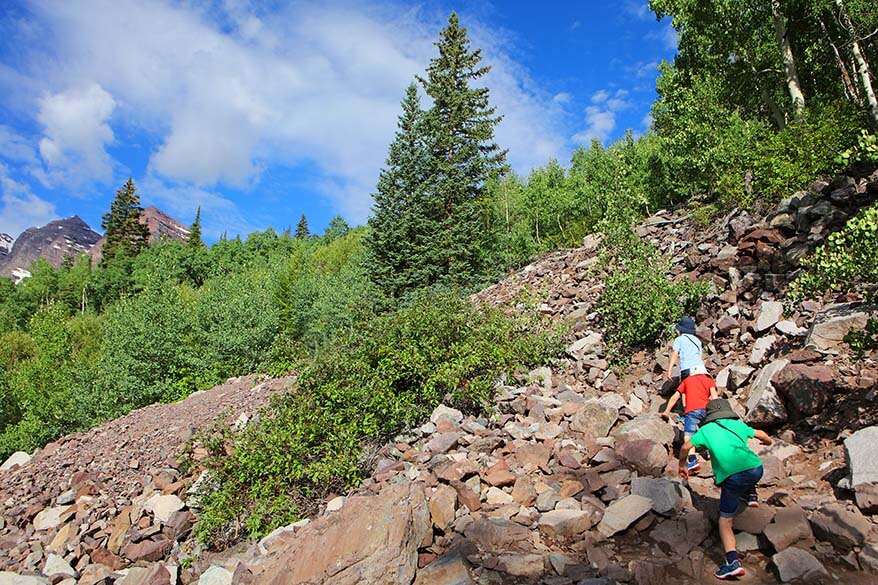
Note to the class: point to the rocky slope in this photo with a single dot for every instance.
(573, 482)
(161, 226)
(54, 241)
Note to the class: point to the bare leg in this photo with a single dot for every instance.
(727, 534)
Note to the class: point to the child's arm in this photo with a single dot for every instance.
(671, 403)
(714, 393)
(762, 436)
(671, 363)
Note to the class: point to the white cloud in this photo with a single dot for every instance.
(226, 96)
(667, 36)
(646, 122)
(75, 135)
(562, 98)
(638, 9)
(15, 147)
(645, 69)
(19, 208)
(219, 215)
(600, 116)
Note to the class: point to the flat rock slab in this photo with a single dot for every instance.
(667, 495)
(790, 526)
(17, 459)
(373, 539)
(646, 426)
(8, 578)
(861, 452)
(561, 524)
(449, 569)
(623, 513)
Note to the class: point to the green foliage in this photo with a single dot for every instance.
(122, 227)
(427, 227)
(302, 231)
(194, 237)
(373, 381)
(865, 151)
(639, 301)
(865, 340)
(847, 261)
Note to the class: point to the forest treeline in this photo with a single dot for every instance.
(761, 99)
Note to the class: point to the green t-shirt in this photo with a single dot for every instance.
(726, 439)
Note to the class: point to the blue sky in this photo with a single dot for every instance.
(260, 111)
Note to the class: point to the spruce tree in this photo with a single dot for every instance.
(122, 227)
(459, 133)
(194, 238)
(400, 220)
(302, 228)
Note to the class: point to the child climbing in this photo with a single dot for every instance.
(736, 469)
(686, 351)
(696, 390)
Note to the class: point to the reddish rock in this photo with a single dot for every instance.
(499, 475)
(644, 455)
(466, 496)
(147, 550)
(805, 388)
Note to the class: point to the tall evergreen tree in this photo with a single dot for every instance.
(122, 227)
(194, 237)
(400, 224)
(459, 132)
(302, 228)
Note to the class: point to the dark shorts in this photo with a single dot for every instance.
(735, 487)
(692, 419)
(684, 374)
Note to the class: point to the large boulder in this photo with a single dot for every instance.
(594, 419)
(861, 453)
(805, 388)
(765, 406)
(795, 565)
(449, 569)
(9, 578)
(668, 496)
(830, 326)
(370, 540)
(644, 455)
(790, 526)
(17, 459)
(843, 528)
(565, 524)
(646, 426)
(623, 513)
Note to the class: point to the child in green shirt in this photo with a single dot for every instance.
(736, 469)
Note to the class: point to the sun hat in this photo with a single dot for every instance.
(686, 325)
(718, 409)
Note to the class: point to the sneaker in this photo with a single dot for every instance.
(730, 570)
(752, 500)
(693, 466)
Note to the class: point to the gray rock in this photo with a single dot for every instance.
(868, 558)
(790, 329)
(449, 569)
(594, 419)
(591, 344)
(49, 518)
(770, 313)
(215, 575)
(797, 565)
(682, 535)
(835, 524)
(450, 414)
(561, 524)
(56, 565)
(861, 453)
(765, 406)
(646, 426)
(830, 326)
(9, 578)
(760, 349)
(17, 459)
(667, 495)
(790, 526)
(547, 500)
(163, 507)
(623, 513)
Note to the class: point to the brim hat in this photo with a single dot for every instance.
(718, 409)
(686, 325)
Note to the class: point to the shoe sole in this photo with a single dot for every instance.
(752, 504)
(695, 469)
(737, 573)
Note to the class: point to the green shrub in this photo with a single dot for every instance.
(847, 261)
(639, 301)
(385, 375)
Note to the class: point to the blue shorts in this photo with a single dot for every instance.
(692, 419)
(736, 486)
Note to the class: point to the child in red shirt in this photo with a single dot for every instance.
(697, 391)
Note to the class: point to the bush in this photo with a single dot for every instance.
(639, 302)
(847, 261)
(372, 382)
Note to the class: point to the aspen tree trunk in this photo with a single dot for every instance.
(862, 64)
(789, 62)
(850, 89)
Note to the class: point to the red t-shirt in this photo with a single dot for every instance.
(696, 389)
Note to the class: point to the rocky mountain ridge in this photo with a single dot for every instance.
(573, 482)
(70, 237)
(54, 241)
